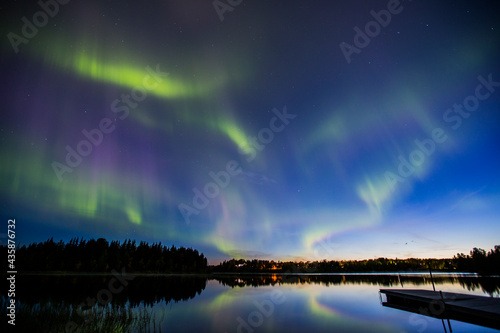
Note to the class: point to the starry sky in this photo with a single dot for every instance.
(285, 130)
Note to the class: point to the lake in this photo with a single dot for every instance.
(232, 303)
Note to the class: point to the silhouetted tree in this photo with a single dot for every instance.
(478, 261)
(101, 256)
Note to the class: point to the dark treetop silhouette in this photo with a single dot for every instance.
(100, 256)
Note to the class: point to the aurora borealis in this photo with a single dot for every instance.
(168, 99)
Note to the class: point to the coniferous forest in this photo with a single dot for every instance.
(478, 261)
(100, 256)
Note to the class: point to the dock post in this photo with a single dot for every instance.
(445, 312)
(430, 271)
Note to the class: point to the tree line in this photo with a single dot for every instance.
(479, 261)
(100, 256)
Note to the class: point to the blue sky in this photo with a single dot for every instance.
(389, 151)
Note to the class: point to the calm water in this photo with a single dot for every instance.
(252, 303)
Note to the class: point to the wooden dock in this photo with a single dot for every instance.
(478, 310)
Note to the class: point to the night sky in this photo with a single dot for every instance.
(286, 130)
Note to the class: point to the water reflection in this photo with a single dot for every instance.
(147, 290)
(232, 303)
(470, 282)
